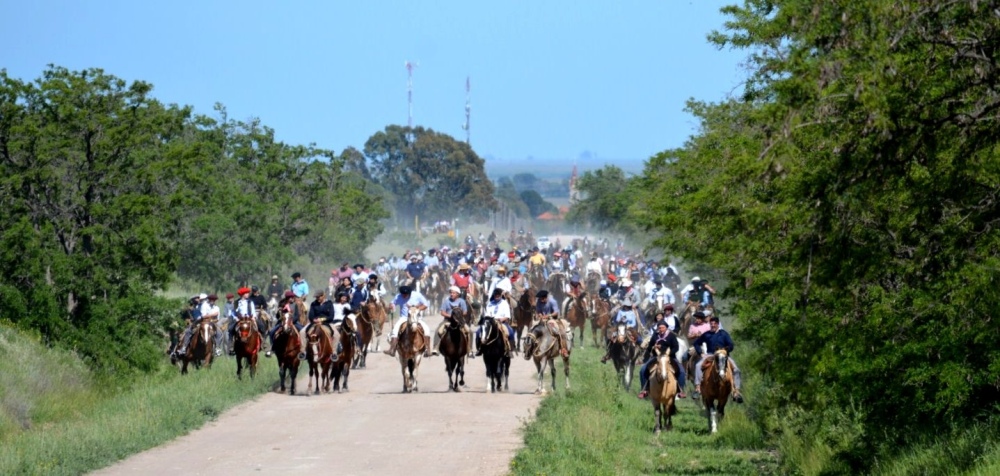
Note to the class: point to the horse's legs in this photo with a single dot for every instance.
(540, 367)
(294, 373)
(657, 417)
(414, 368)
(566, 366)
(346, 373)
(239, 367)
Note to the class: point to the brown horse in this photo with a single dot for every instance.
(541, 346)
(524, 315)
(600, 319)
(319, 354)
(556, 285)
(345, 354)
(286, 348)
(199, 350)
(410, 345)
(247, 346)
(370, 321)
(662, 391)
(575, 311)
(716, 386)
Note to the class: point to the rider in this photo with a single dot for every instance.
(193, 316)
(375, 288)
(499, 310)
(716, 339)
(537, 259)
(340, 309)
(320, 314)
(289, 304)
(594, 266)
(689, 293)
(627, 316)
(546, 310)
(300, 287)
(462, 278)
(275, 289)
(448, 305)
(672, 320)
(604, 292)
(245, 308)
(360, 295)
(665, 341)
(408, 301)
(415, 270)
(501, 281)
(359, 273)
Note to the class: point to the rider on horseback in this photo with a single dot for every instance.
(604, 292)
(415, 270)
(627, 316)
(291, 305)
(499, 310)
(199, 304)
(448, 305)
(320, 314)
(714, 340)
(665, 341)
(462, 278)
(547, 310)
(375, 288)
(408, 301)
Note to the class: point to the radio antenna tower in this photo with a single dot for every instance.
(409, 92)
(468, 110)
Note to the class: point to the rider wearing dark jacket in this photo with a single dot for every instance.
(665, 341)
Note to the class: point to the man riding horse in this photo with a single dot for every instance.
(627, 315)
(449, 306)
(547, 312)
(408, 301)
(665, 341)
(320, 314)
(200, 309)
(499, 310)
(714, 340)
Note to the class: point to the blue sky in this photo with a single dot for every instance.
(551, 80)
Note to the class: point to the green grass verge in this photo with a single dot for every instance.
(597, 428)
(102, 430)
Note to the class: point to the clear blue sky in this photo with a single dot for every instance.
(550, 79)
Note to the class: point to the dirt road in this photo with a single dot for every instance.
(373, 429)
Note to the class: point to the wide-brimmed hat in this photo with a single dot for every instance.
(464, 267)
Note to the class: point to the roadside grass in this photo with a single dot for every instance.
(598, 428)
(75, 427)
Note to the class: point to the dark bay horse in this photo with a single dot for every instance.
(556, 285)
(345, 354)
(600, 319)
(495, 355)
(524, 315)
(662, 391)
(199, 350)
(541, 346)
(716, 386)
(454, 348)
(247, 346)
(410, 346)
(370, 321)
(286, 349)
(319, 354)
(623, 351)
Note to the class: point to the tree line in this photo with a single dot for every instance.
(849, 196)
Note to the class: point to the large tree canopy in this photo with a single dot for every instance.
(430, 174)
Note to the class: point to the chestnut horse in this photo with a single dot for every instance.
(662, 391)
(319, 354)
(575, 311)
(286, 349)
(600, 319)
(247, 346)
(370, 321)
(541, 346)
(345, 353)
(716, 386)
(199, 349)
(410, 345)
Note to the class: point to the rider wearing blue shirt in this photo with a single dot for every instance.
(300, 287)
(714, 340)
(627, 316)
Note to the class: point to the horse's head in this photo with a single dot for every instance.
(721, 362)
(620, 334)
(530, 345)
(243, 329)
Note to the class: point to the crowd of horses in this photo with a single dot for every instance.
(331, 353)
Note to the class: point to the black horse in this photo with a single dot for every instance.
(495, 354)
(454, 348)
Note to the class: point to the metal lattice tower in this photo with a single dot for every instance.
(409, 92)
(468, 110)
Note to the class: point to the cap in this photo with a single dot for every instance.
(243, 290)
(289, 294)
(542, 294)
(275, 277)
(203, 296)
(404, 290)
(626, 282)
(229, 296)
(668, 307)
(454, 289)
(296, 275)
(254, 289)
(213, 297)
(695, 279)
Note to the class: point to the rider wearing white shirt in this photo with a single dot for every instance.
(409, 301)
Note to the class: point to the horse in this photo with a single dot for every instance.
(623, 351)
(662, 392)
(495, 355)
(247, 346)
(524, 315)
(592, 283)
(199, 349)
(286, 349)
(265, 320)
(541, 346)
(687, 316)
(371, 319)
(345, 354)
(716, 386)
(454, 348)
(575, 312)
(319, 354)
(600, 319)
(410, 345)
(557, 286)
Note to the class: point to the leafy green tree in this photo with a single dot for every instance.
(507, 194)
(429, 173)
(536, 204)
(606, 195)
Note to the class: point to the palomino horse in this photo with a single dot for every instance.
(623, 351)
(600, 319)
(541, 346)
(410, 344)
(319, 354)
(286, 349)
(345, 355)
(247, 346)
(716, 386)
(454, 348)
(662, 391)
(495, 355)
(575, 310)
(199, 349)
(371, 319)
(524, 315)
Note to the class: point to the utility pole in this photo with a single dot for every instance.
(468, 110)
(409, 92)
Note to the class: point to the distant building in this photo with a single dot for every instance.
(573, 193)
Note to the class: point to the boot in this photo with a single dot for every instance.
(427, 351)
(479, 347)
(391, 351)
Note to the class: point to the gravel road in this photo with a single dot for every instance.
(373, 429)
